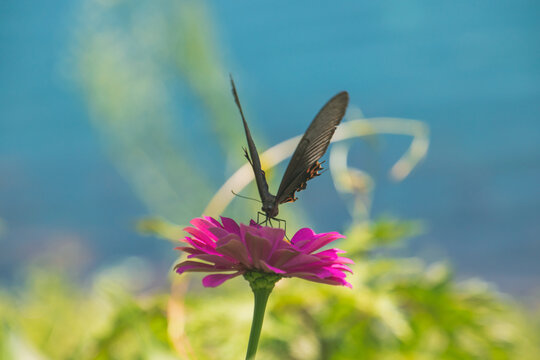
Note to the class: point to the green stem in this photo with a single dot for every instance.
(261, 284)
(261, 298)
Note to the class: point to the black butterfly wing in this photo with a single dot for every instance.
(304, 164)
(253, 156)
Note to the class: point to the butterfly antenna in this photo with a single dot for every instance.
(246, 197)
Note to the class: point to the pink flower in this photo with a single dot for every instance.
(230, 250)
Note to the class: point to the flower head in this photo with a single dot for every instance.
(229, 250)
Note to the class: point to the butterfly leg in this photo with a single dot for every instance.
(284, 226)
(270, 221)
(265, 217)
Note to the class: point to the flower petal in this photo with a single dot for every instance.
(329, 281)
(258, 247)
(218, 279)
(218, 260)
(302, 236)
(233, 248)
(190, 250)
(218, 232)
(263, 265)
(254, 224)
(202, 223)
(230, 225)
(282, 256)
(195, 266)
(300, 260)
(319, 241)
(200, 236)
(212, 221)
(229, 246)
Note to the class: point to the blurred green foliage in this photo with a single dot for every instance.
(50, 316)
(398, 308)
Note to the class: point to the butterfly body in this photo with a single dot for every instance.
(304, 164)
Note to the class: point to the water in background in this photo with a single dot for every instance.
(470, 70)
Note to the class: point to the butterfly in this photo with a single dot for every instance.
(304, 164)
